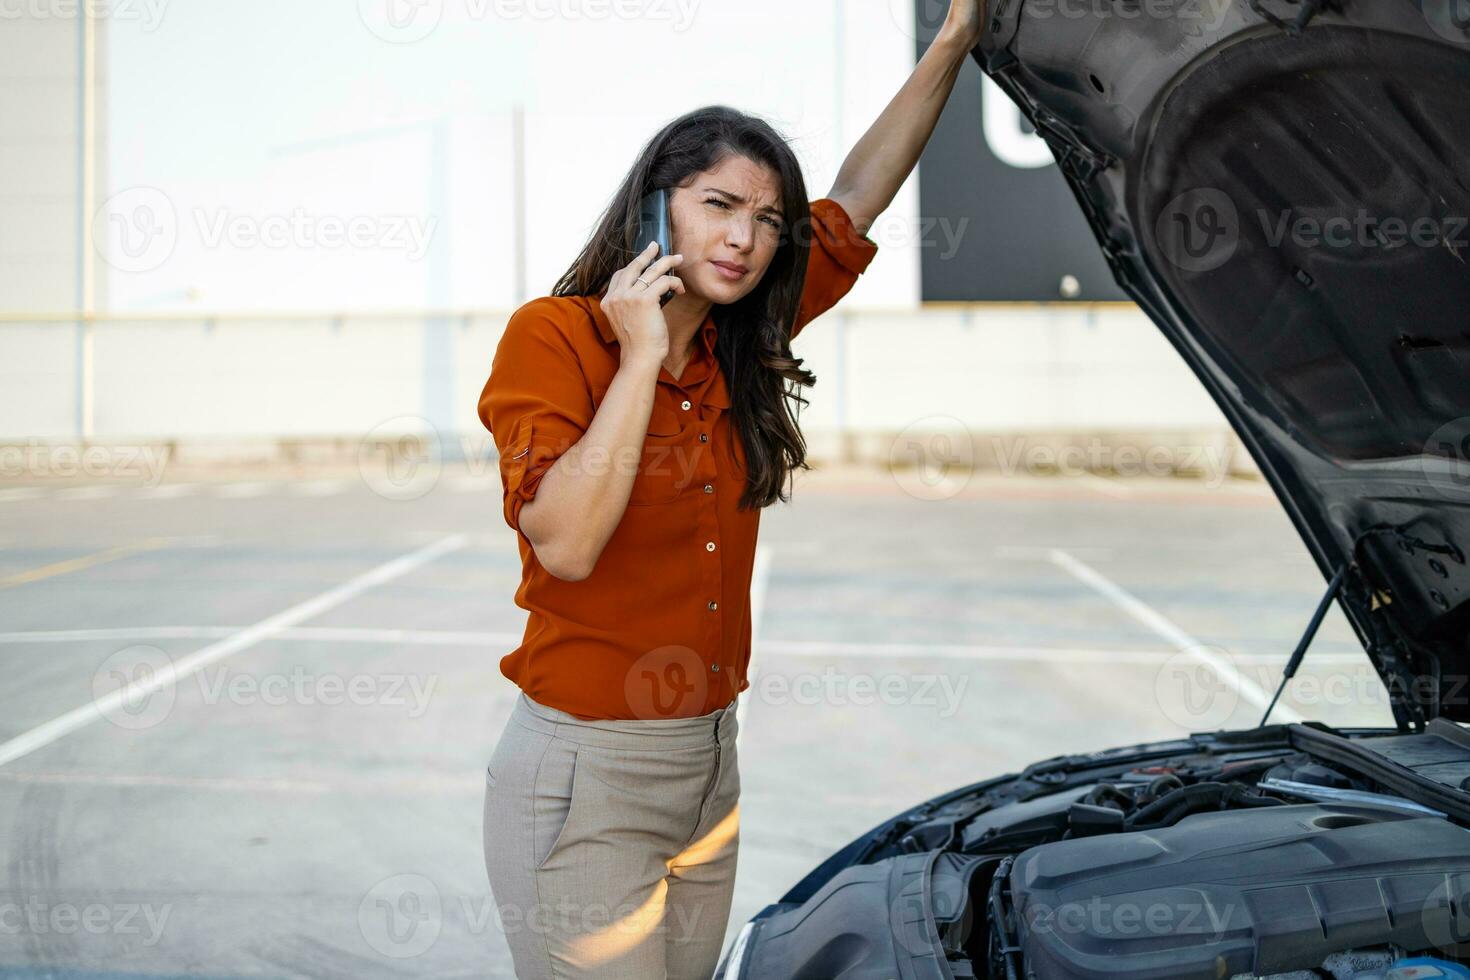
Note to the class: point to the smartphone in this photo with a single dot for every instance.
(653, 226)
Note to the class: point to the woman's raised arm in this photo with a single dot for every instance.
(882, 160)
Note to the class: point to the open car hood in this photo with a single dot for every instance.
(1284, 187)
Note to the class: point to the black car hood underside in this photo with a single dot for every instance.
(1291, 208)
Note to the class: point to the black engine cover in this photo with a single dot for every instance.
(1265, 891)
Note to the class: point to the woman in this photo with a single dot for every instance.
(638, 444)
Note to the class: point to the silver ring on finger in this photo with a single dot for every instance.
(646, 284)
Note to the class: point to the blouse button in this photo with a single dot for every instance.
(704, 437)
(713, 605)
(714, 667)
(709, 488)
(709, 546)
(685, 404)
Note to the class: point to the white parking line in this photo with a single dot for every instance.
(324, 634)
(1102, 484)
(471, 484)
(1171, 634)
(956, 651)
(98, 708)
(318, 488)
(437, 638)
(242, 490)
(760, 578)
(120, 633)
(81, 562)
(477, 640)
(92, 492)
(1019, 552)
(168, 491)
(338, 783)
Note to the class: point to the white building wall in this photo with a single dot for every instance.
(42, 226)
(338, 123)
(994, 369)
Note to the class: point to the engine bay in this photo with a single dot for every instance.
(1225, 857)
(1284, 889)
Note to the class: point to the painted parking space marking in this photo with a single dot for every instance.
(168, 491)
(814, 649)
(78, 564)
(1169, 631)
(98, 708)
(760, 578)
(240, 491)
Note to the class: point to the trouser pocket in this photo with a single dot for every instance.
(554, 800)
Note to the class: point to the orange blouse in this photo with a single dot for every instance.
(661, 628)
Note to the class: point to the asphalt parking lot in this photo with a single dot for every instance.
(298, 793)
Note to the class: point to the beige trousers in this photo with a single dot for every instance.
(610, 845)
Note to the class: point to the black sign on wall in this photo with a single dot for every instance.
(1006, 225)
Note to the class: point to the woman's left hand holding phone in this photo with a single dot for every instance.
(632, 303)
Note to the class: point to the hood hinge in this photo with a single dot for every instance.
(1408, 712)
(1310, 9)
(1075, 157)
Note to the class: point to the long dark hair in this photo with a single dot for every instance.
(754, 345)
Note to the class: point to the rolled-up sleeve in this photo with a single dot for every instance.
(536, 403)
(839, 254)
